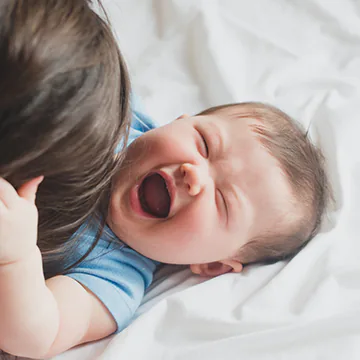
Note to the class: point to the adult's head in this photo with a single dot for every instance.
(64, 96)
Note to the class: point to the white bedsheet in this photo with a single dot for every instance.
(303, 56)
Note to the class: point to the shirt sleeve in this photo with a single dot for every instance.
(118, 276)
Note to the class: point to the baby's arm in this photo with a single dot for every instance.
(83, 316)
(39, 318)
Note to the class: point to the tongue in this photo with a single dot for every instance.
(154, 196)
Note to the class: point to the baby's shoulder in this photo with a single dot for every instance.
(110, 255)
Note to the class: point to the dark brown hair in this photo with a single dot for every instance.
(64, 98)
(303, 165)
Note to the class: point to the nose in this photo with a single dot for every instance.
(194, 178)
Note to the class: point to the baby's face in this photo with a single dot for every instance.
(196, 190)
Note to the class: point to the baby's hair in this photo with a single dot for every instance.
(303, 165)
(64, 108)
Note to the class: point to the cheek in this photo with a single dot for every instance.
(193, 229)
(201, 214)
(190, 229)
(171, 149)
(172, 143)
(200, 234)
(166, 145)
(150, 151)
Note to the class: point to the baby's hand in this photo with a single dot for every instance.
(18, 220)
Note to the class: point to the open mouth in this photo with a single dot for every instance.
(154, 196)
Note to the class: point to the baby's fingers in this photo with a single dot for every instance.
(29, 189)
(8, 194)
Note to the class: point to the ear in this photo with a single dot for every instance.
(184, 116)
(217, 268)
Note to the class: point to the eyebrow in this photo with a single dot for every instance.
(216, 138)
(238, 204)
(243, 202)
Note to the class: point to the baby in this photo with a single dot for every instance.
(233, 185)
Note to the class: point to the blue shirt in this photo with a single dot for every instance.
(114, 272)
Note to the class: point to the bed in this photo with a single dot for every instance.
(304, 57)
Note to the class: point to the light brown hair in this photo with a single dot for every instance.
(64, 108)
(303, 165)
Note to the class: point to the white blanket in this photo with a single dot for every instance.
(300, 55)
